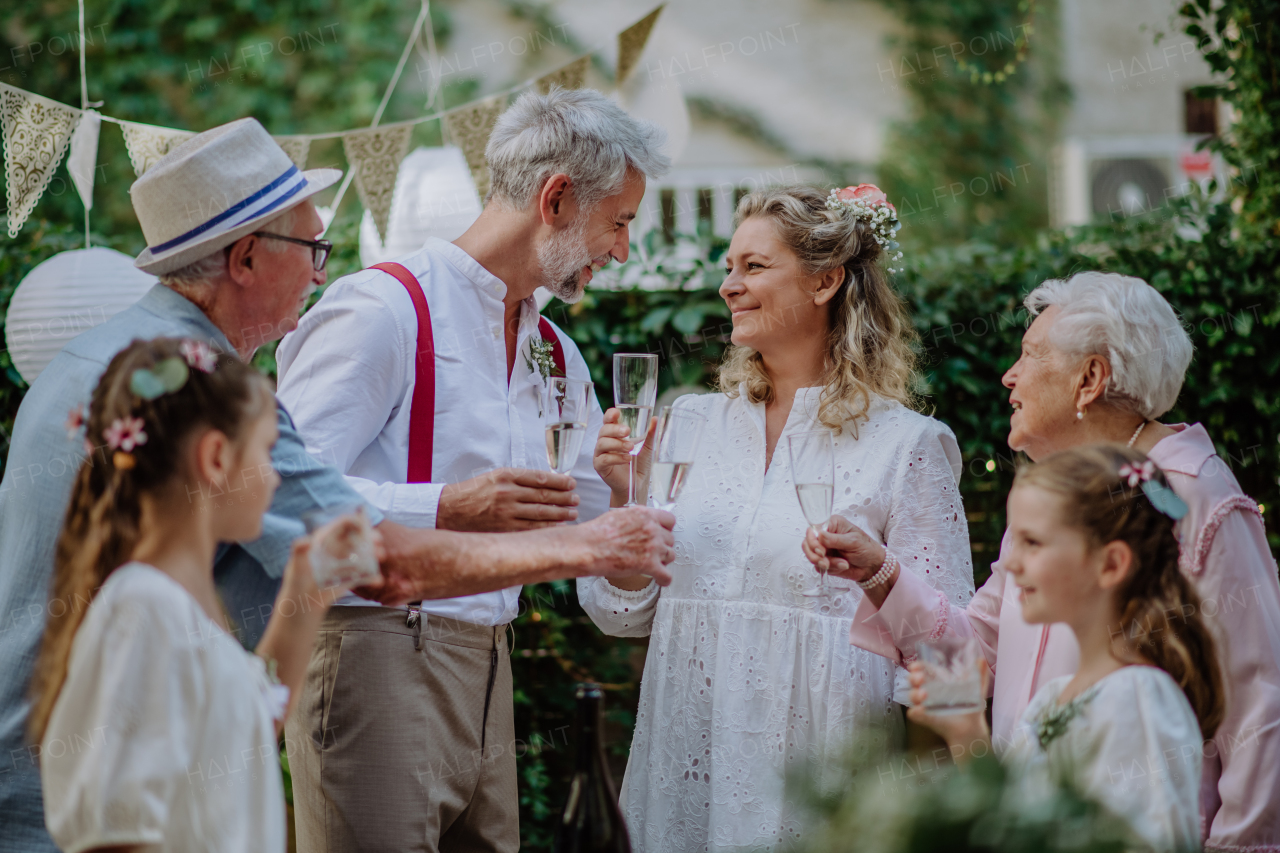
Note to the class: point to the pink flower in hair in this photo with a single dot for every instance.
(868, 193)
(198, 355)
(125, 434)
(1138, 473)
(75, 420)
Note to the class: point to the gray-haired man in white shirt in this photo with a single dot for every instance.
(404, 738)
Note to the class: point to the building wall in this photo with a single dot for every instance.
(1123, 82)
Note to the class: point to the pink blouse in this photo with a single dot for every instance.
(1224, 550)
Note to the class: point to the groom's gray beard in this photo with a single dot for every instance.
(562, 259)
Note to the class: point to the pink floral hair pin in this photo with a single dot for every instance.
(1138, 473)
(123, 436)
(199, 355)
(868, 203)
(75, 421)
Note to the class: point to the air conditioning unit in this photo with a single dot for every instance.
(1107, 177)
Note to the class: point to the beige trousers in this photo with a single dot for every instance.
(403, 740)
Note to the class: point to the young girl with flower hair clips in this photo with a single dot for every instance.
(1093, 546)
(157, 729)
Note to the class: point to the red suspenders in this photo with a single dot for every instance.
(422, 412)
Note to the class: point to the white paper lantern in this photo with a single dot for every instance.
(435, 197)
(661, 103)
(66, 296)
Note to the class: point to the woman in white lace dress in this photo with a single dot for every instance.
(747, 679)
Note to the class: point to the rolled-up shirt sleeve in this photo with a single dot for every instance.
(342, 376)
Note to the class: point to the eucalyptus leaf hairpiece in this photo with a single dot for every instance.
(165, 377)
(1161, 496)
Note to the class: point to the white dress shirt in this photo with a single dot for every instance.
(347, 376)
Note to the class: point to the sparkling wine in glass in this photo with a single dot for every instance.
(635, 390)
(952, 679)
(565, 411)
(813, 472)
(676, 440)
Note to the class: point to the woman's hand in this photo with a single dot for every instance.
(613, 456)
(843, 550)
(962, 732)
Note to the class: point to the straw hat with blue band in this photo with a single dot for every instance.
(214, 189)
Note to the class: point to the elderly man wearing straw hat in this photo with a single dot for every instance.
(231, 233)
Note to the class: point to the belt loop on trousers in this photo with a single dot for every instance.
(414, 621)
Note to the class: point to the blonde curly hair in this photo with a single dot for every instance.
(870, 344)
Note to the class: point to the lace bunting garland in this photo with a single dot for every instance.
(36, 134)
(37, 131)
(631, 42)
(82, 161)
(297, 147)
(375, 154)
(571, 76)
(147, 143)
(469, 129)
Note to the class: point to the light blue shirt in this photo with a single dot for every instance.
(41, 468)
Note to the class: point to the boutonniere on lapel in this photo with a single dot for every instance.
(541, 357)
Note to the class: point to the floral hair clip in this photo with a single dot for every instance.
(869, 203)
(75, 421)
(198, 355)
(123, 436)
(1161, 496)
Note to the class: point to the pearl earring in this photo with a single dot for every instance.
(1079, 414)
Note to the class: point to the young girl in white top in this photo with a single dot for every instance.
(1094, 547)
(157, 729)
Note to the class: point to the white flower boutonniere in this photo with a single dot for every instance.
(540, 356)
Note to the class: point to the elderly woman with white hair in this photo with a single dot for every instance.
(1104, 358)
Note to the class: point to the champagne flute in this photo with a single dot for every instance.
(676, 440)
(635, 390)
(813, 472)
(565, 411)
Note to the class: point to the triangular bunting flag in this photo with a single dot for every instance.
(375, 154)
(571, 76)
(147, 143)
(36, 132)
(82, 162)
(297, 147)
(469, 129)
(631, 42)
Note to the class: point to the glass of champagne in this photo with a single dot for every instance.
(676, 440)
(952, 679)
(635, 390)
(813, 471)
(565, 412)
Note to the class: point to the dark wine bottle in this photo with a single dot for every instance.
(591, 821)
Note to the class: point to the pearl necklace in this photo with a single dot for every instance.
(1136, 433)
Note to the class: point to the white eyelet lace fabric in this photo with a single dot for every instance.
(747, 680)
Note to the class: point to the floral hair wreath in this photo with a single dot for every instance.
(165, 377)
(1161, 496)
(868, 203)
